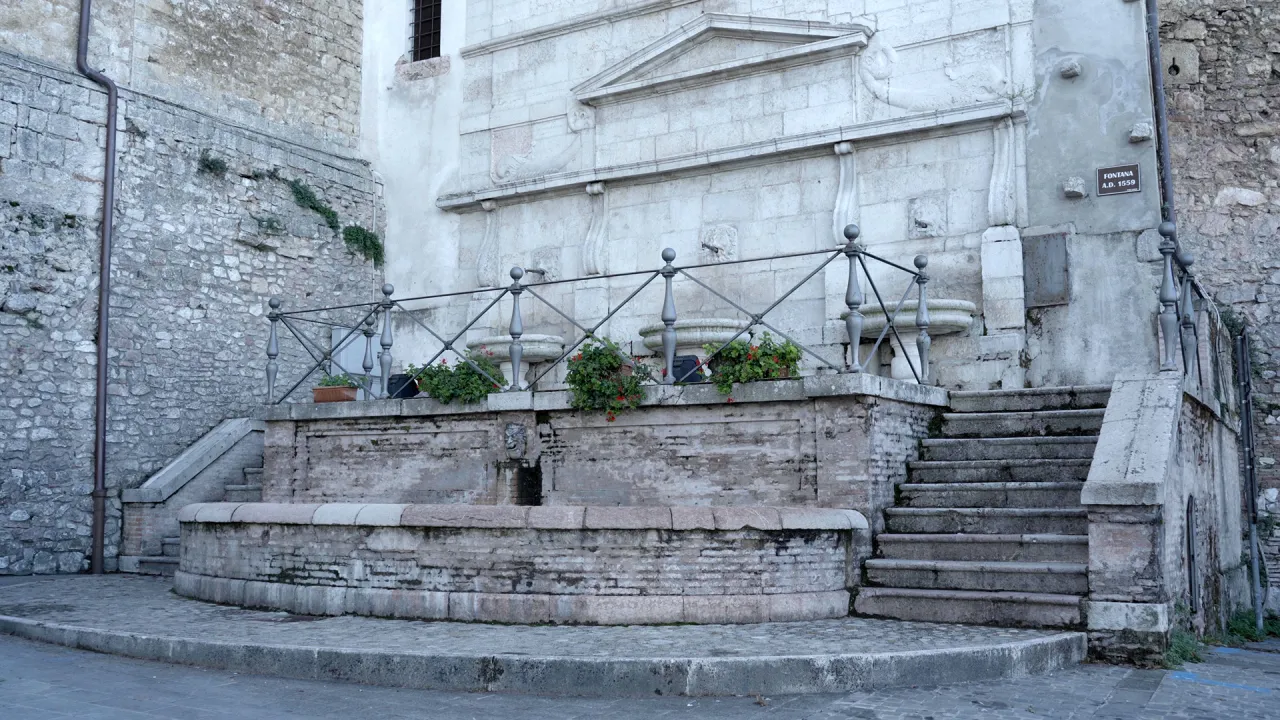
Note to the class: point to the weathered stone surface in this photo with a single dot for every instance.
(519, 574)
(197, 254)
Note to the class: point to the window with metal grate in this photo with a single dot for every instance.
(424, 32)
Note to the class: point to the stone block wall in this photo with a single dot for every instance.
(292, 66)
(1226, 155)
(198, 251)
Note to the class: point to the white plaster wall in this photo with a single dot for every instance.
(410, 134)
(489, 165)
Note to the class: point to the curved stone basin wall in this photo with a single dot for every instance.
(598, 565)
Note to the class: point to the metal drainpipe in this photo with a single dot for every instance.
(104, 290)
(1168, 210)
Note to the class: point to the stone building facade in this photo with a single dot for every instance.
(222, 105)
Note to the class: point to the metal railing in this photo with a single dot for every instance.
(1182, 301)
(374, 319)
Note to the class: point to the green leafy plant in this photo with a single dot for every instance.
(602, 377)
(209, 164)
(743, 362)
(338, 381)
(307, 198)
(365, 242)
(461, 381)
(1183, 648)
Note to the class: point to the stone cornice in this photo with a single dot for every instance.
(572, 25)
(795, 145)
(817, 41)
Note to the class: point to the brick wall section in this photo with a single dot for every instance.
(197, 256)
(1226, 151)
(623, 562)
(836, 452)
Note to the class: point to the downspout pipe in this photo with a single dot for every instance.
(1168, 210)
(96, 563)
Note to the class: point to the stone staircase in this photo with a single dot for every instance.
(989, 528)
(166, 563)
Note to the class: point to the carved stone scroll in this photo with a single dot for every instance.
(593, 246)
(487, 272)
(846, 210)
(1002, 204)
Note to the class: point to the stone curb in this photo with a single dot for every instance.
(609, 677)
(520, 608)
(533, 518)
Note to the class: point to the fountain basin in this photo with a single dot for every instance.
(505, 563)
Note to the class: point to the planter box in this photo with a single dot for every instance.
(333, 394)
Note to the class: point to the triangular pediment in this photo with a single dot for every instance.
(715, 47)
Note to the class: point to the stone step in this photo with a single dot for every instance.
(1014, 448)
(971, 606)
(995, 494)
(991, 471)
(1022, 424)
(243, 493)
(989, 521)
(1079, 397)
(158, 565)
(253, 476)
(999, 548)
(1034, 577)
(170, 546)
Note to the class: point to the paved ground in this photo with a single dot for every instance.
(146, 605)
(39, 682)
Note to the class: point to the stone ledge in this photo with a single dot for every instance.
(814, 386)
(518, 517)
(523, 608)
(141, 618)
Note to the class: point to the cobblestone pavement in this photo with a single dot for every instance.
(146, 605)
(39, 682)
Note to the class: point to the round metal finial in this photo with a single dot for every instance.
(1168, 229)
(370, 321)
(274, 303)
(388, 289)
(851, 232)
(517, 273)
(668, 255)
(921, 261)
(1185, 258)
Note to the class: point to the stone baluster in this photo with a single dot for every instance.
(923, 341)
(1168, 298)
(853, 298)
(384, 357)
(369, 323)
(1187, 315)
(517, 328)
(273, 349)
(669, 319)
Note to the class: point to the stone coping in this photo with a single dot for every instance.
(809, 387)
(516, 517)
(139, 617)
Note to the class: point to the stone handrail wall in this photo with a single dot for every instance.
(599, 565)
(1165, 460)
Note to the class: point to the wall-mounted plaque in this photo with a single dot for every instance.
(1119, 180)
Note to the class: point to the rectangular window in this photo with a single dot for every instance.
(424, 34)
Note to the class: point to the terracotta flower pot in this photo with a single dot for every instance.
(333, 394)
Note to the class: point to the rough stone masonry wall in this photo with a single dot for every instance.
(198, 253)
(1225, 128)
